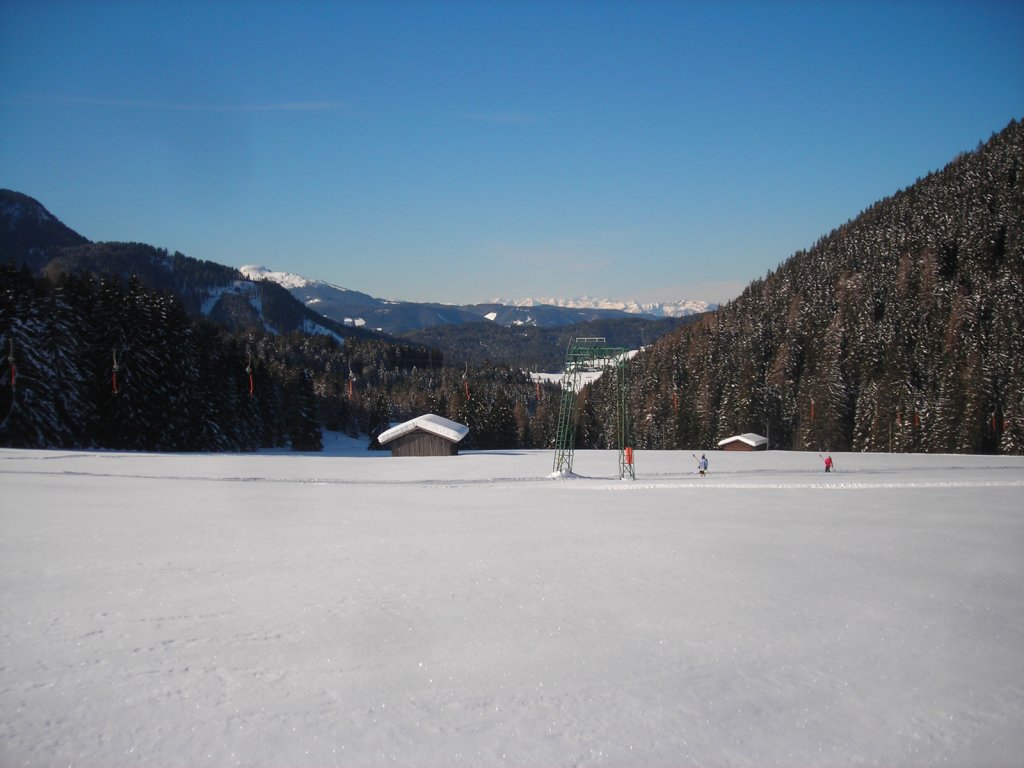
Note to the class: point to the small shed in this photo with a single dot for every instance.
(747, 442)
(428, 435)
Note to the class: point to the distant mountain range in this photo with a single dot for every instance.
(353, 308)
(279, 301)
(683, 308)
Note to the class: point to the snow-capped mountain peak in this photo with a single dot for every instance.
(680, 308)
(287, 280)
(290, 280)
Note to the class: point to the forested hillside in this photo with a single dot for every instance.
(901, 330)
(30, 234)
(33, 238)
(94, 362)
(123, 345)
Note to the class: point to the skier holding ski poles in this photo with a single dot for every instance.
(702, 465)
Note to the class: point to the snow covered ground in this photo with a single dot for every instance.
(361, 610)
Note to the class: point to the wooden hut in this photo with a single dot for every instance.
(428, 435)
(747, 442)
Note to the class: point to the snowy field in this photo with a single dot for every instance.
(360, 610)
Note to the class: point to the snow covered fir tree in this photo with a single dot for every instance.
(901, 330)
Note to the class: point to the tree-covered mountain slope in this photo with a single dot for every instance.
(33, 238)
(30, 234)
(901, 330)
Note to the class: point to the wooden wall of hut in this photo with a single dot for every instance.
(419, 443)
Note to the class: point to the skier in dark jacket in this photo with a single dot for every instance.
(702, 465)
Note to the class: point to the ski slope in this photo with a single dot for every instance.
(355, 609)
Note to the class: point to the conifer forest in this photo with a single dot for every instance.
(901, 330)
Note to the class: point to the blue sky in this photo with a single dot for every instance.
(451, 151)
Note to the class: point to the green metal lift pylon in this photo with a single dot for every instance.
(589, 354)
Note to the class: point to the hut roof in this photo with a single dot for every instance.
(437, 425)
(750, 438)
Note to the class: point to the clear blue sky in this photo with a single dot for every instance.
(459, 151)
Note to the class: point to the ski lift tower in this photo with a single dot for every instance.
(587, 354)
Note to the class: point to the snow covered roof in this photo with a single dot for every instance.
(750, 438)
(437, 425)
